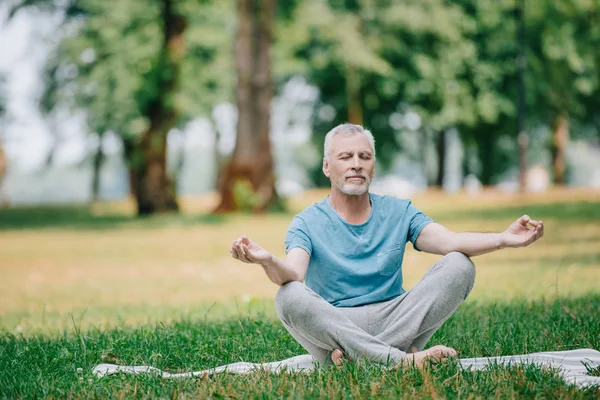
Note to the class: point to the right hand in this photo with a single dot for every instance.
(246, 250)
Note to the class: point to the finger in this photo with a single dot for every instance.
(240, 250)
(234, 253)
(534, 223)
(245, 240)
(535, 236)
(236, 242)
(531, 239)
(539, 231)
(247, 253)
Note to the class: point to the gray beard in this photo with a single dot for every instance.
(353, 190)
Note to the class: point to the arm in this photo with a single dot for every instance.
(292, 267)
(436, 239)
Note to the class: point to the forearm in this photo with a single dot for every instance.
(475, 243)
(280, 272)
(436, 239)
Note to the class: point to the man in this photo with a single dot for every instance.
(348, 248)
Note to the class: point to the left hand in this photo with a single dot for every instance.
(522, 232)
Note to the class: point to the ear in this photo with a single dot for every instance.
(326, 168)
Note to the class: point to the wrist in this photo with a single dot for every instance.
(268, 262)
(502, 241)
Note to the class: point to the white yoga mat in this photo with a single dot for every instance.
(571, 366)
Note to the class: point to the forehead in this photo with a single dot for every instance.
(354, 143)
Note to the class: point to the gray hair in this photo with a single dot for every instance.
(347, 130)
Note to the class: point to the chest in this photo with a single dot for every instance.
(357, 242)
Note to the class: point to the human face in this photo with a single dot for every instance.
(350, 165)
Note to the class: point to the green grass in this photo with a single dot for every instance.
(80, 286)
(573, 211)
(46, 365)
(84, 218)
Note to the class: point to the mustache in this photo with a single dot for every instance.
(356, 175)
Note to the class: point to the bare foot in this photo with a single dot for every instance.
(336, 357)
(436, 353)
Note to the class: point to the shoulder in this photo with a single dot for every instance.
(390, 202)
(313, 212)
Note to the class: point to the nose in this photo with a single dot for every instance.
(356, 165)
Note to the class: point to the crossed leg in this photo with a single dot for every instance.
(382, 332)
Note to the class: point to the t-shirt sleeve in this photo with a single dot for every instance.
(418, 221)
(297, 236)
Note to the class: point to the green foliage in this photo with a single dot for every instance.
(424, 56)
(60, 365)
(563, 39)
(452, 62)
(108, 56)
(245, 198)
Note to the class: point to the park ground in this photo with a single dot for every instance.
(85, 285)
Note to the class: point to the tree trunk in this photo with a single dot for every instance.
(129, 149)
(487, 154)
(97, 164)
(441, 151)
(560, 141)
(247, 181)
(355, 112)
(522, 136)
(522, 142)
(153, 188)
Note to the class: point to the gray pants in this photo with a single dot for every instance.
(381, 332)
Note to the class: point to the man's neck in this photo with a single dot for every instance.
(354, 209)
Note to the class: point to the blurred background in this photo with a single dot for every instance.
(210, 115)
(158, 99)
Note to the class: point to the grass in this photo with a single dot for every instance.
(47, 365)
(83, 285)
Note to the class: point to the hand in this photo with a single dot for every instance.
(245, 250)
(523, 232)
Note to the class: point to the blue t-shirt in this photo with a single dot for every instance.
(352, 265)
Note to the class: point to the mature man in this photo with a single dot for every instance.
(348, 248)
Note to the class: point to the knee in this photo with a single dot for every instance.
(287, 298)
(463, 269)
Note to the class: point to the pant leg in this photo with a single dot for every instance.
(320, 327)
(409, 321)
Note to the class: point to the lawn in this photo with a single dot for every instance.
(81, 285)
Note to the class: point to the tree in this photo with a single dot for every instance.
(153, 187)
(373, 59)
(122, 63)
(247, 181)
(493, 79)
(564, 39)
